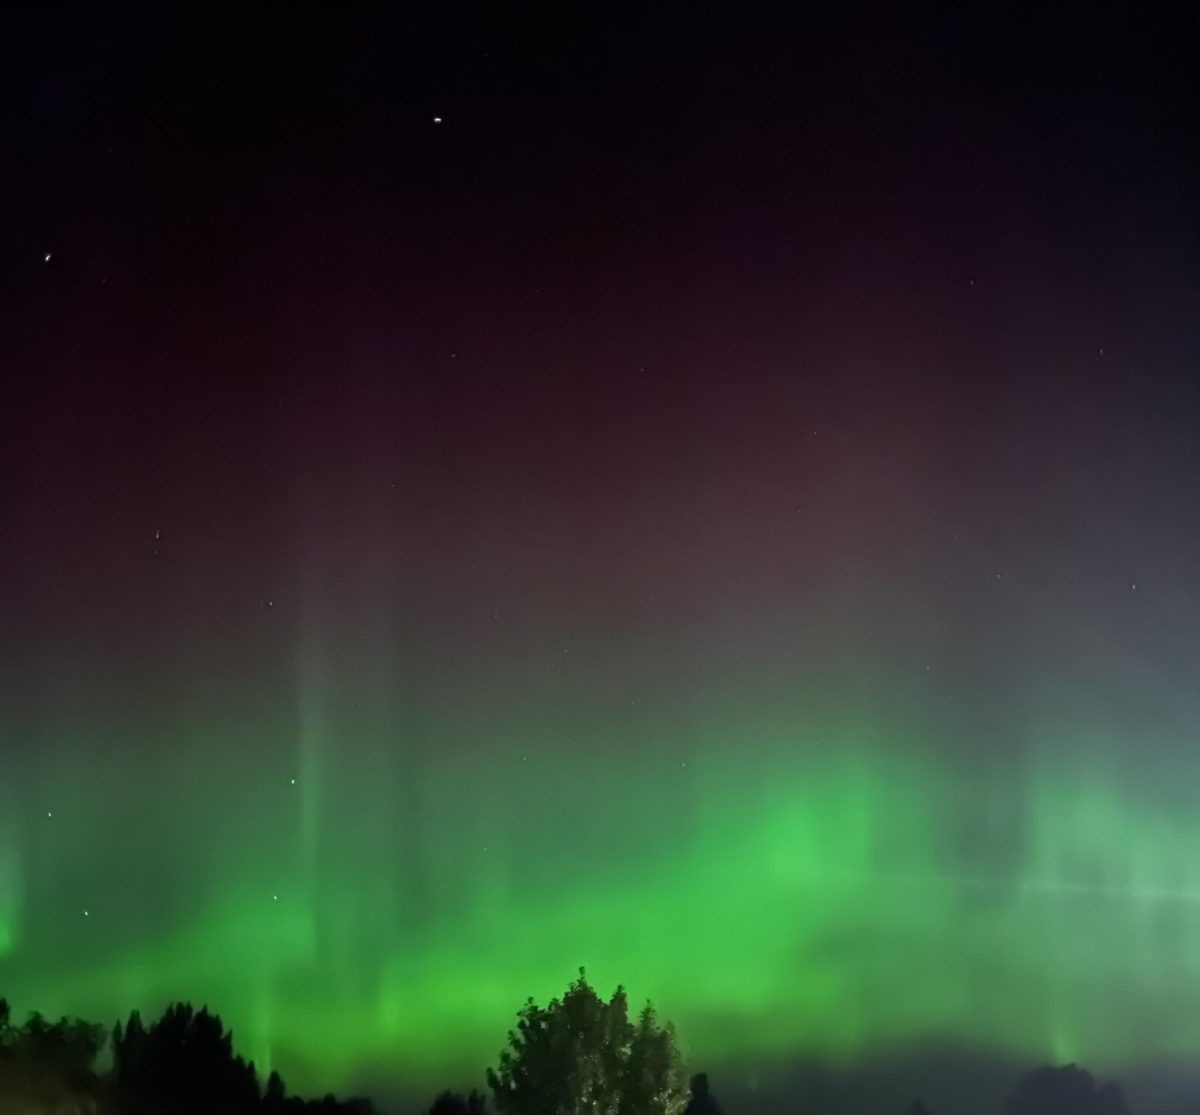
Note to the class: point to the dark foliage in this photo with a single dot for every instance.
(581, 1055)
(184, 1063)
(1065, 1090)
(702, 1102)
(455, 1103)
(48, 1066)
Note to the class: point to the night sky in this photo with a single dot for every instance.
(708, 493)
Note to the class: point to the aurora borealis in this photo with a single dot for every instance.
(710, 499)
(867, 901)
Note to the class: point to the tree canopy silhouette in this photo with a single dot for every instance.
(1064, 1090)
(582, 1056)
(702, 1102)
(48, 1066)
(455, 1103)
(183, 1063)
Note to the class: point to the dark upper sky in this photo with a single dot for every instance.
(629, 227)
(595, 272)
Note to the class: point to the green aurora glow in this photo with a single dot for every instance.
(838, 902)
(718, 508)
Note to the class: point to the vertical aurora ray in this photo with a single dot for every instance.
(306, 781)
(11, 887)
(11, 866)
(12, 883)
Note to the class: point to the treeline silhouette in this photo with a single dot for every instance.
(579, 1055)
(182, 1064)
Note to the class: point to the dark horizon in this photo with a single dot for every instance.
(56, 1064)
(707, 494)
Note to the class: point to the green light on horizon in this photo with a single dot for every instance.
(840, 904)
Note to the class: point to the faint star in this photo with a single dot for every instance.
(293, 782)
(437, 119)
(46, 257)
(1133, 587)
(157, 534)
(86, 914)
(49, 814)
